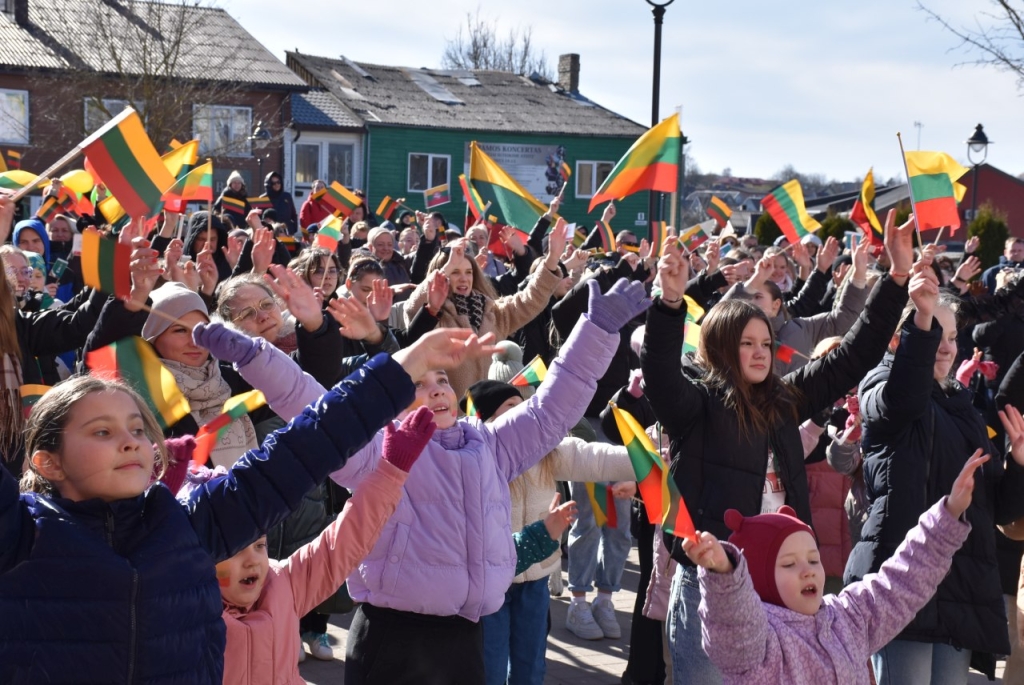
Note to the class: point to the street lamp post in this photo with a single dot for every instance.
(259, 138)
(978, 144)
(658, 10)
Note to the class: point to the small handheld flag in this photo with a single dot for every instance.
(329, 234)
(235, 408)
(719, 211)
(105, 264)
(863, 212)
(341, 198)
(386, 208)
(785, 204)
(30, 394)
(531, 374)
(603, 503)
(564, 171)
(436, 196)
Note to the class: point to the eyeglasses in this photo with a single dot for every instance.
(250, 313)
(13, 272)
(333, 271)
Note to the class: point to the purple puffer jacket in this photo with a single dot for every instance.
(448, 550)
(752, 642)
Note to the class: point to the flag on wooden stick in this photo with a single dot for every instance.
(235, 408)
(603, 503)
(105, 264)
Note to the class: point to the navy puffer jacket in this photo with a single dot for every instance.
(125, 592)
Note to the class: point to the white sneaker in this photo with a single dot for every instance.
(555, 584)
(580, 622)
(603, 612)
(319, 647)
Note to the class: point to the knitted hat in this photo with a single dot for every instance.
(760, 538)
(175, 300)
(488, 396)
(506, 363)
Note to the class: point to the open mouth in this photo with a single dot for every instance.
(810, 591)
(440, 408)
(249, 581)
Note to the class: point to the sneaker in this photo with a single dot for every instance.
(580, 622)
(555, 584)
(603, 612)
(319, 647)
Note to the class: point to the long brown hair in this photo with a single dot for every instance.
(481, 283)
(10, 398)
(50, 415)
(758, 406)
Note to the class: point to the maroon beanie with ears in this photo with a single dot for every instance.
(760, 537)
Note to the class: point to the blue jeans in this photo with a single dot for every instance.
(690, 664)
(597, 554)
(902, 662)
(516, 636)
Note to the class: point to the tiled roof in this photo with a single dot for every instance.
(464, 100)
(320, 108)
(78, 34)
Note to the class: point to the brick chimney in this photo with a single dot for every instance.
(568, 72)
(20, 11)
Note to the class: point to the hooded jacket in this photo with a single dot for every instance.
(448, 548)
(284, 207)
(198, 225)
(130, 585)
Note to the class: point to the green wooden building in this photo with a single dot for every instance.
(398, 131)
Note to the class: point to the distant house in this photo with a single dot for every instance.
(67, 66)
(399, 130)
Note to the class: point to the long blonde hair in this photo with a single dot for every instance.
(481, 283)
(46, 424)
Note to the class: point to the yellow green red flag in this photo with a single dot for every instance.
(785, 204)
(652, 163)
(647, 465)
(934, 189)
(329, 234)
(235, 408)
(691, 329)
(531, 374)
(863, 212)
(719, 211)
(196, 185)
(603, 503)
(512, 204)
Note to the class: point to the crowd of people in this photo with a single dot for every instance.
(844, 435)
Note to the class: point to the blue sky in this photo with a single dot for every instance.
(823, 86)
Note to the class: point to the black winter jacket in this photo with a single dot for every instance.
(715, 465)
(917, 437)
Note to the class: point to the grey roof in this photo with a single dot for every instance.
(78, 34)
(459, 99)
(318, 108)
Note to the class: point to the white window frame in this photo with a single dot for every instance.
(593, 163)
(107, 103)
(238, 138)
(24, 140)
(431, 181)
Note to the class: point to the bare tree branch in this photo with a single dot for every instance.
(477, 45)
(997, 35)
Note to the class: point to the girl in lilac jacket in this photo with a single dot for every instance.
(765, 619)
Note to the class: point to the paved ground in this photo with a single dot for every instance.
(571, 661)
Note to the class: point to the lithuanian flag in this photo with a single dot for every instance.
(235, 408)
(565, 171)
(659, 236)
(719, 211)
(262, 202)
(122, 154)
(652, 163)
(329, 234)
(180, 160)
(387, 207)
(691, 329)
(470, 407)
(105, 264)
(512, 203)
(13, 160)
(436, 196)
(63, 202)
(473, 201)
(233, 205)
(785, 204)
(196, 185)
(604, 230)
(647, 465)
(934, 189)
(532, 374)
(340, 198)
(133, 361)
(3, 164)
(863, 212)
(784, 353)
(695, 236)
(603, 503)
(30, 394)
(16, 179)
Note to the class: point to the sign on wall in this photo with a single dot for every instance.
(536, 167)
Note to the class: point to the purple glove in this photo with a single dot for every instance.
(225, 344)
(402, 447)
(623, 302)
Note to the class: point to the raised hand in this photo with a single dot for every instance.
(553, 206)
(172, 258)
(960, 496)
(971, 246)
(576, 260)
(136, 228)
(208, 274)
(708, 552)
(924, 293)
(609, 213)
(437, 292)
(559, 518)
(673, 275)
(860, 261)
(968, 270)
(712, 255)
(252, 219)
(800, 255)
(444, 348)
(827, 254)
(380, 300)
(297, 295)
(899, 241)
(355, 320)
(621, 304)
(1014, 425)
(481, 258)
(403, 446)
(145, 269)
(224, 343)
(190, 276)
(263, 246)
(645, 249)
(557, 240)
(762, 270)
(624, 489)
(233, 250)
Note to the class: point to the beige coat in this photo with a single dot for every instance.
(573, 460)
(502, 317)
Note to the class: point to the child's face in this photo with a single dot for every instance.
(799, 574)
(38, 280)
(508, 404)
(434, 391)
(755, 351)
(105, 454)
(242, 576)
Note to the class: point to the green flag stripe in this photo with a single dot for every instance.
(107, 265)
(931, 187)
(129, 368)
(643, 462)
(123, 156)
(789, 207)
(513, 209)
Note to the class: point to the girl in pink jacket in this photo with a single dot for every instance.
(765, 619)
(264, 598)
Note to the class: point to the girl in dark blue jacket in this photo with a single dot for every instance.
(105, 578)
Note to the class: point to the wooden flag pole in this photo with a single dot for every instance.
(939, 236)
(910, 188)
(45, 176)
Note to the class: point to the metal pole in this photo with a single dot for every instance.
(654, 202)
(974, 195)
